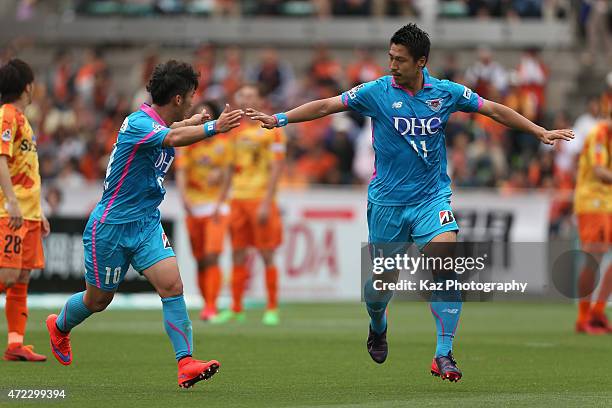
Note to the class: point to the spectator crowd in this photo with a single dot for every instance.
(513, 9)
(77, 110)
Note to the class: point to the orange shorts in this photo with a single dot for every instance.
(595, 228)
(21, 249)
(246, 231)
(206, 235)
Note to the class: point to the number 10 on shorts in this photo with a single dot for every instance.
(116, 275)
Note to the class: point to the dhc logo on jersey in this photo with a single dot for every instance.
(164, 161)
(416, 126)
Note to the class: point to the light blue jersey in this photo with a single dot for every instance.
(125, 227)
(133, 188)
(408, 135)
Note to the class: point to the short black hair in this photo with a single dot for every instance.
(15, 75)
(414, 39)
(171, 78)
(211, 107)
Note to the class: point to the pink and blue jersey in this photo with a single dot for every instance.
(408, 135)
(133, 187)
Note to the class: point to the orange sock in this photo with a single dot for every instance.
(272, 286)
(599, 308)
(202, 282)
(212, 286)
(16, 310)
(239, 276)
(584, 311)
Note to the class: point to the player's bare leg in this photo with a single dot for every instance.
(446, 309)
(16, 310)
(8, 277)
(166, 279)
(271, 316)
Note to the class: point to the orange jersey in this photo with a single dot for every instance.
(203, 164)
(592, 195)
(18, 143)
(254, 149)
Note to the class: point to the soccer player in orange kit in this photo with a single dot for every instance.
(22, 223)
(199, 176)
(593, 208)
(257, 160)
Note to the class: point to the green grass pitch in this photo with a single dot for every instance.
(518, 355)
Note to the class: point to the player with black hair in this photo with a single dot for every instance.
(409, 195)
(125, 227)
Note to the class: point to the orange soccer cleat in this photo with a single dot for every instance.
(208, 313)
(19, 352)
(446, 368)
(60, 342)
(600, 321)
(191, 371)
(589, 328)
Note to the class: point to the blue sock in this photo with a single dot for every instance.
(376, 304)
(446, 309)
(178, 325)
(73, 313)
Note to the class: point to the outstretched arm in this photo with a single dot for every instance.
(308, 111)
(187, 135)
(507, 116)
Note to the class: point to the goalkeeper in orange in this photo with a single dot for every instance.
(22, 223)
(199, 176)
(257, 160)
(593, 208)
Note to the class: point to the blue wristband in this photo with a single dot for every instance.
(210, 128)
(281, 119)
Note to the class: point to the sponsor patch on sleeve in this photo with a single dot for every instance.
(6, 135)
(353, 92)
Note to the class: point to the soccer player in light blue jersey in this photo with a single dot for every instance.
(125, 227)
(409, 194)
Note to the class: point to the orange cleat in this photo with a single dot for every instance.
(191, 371)
(589, 328)
(600, 321)
(19, 352)
(446, 368)
(208, 313)
(60, 342)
